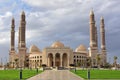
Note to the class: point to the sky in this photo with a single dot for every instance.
(66, 21)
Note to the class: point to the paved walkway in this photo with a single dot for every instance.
(56, 75)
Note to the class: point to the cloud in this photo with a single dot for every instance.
(63, 20)
(52, 3)
(4, 20)
(4, 37)
(69, 23)
(4, 27)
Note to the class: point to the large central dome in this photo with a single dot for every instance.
(57, 44)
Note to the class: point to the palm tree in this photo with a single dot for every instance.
(115, 61)
(98, 60)
(13, 64)
(10, 64)
(16, 62)
(78, 64)
(89, 62)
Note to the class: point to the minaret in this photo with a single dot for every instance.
(22, 42)
(103, 47)
(12, 52)
(92, 29)
(22, 29)
(12, 35)
(93, 51)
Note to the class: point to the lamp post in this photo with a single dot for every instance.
(75, 66)
(20, 73)
(88, 74)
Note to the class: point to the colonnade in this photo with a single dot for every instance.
(58, 60)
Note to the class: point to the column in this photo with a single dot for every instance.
(61, 60)
(68, 60)
(48, 61)
(53, 60)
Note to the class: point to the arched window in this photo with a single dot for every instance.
(77, 60)
(74, 60)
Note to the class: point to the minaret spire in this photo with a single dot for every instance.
(92, 29)
(103, 45)
(91, 12)
(12, 34)
(22, 42)
(93, 51)
(23, 16)
(12, 53)
(22, 29)
(102, 30)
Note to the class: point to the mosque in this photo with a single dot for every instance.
(58, 54)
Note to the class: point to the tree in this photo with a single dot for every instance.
(115, 61)
(107, 65)
(72, 65)
(10, 64)
(79, 63)
(44, 65)
(16, 62)
(98, 60)
(89, 61)
(26, 62)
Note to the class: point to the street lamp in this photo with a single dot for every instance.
(88, 74)
(20, 73)
(75, 66)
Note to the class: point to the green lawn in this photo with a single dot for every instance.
(14, 74)
(99, 74)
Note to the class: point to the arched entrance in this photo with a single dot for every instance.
(57, 59)
(65, 60)
(50, 60)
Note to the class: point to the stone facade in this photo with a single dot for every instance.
(57, 55)
(80, 56)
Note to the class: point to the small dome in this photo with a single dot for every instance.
(34, 48)
(57, 44)
(81, 48)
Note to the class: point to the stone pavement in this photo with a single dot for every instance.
(56, 75)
